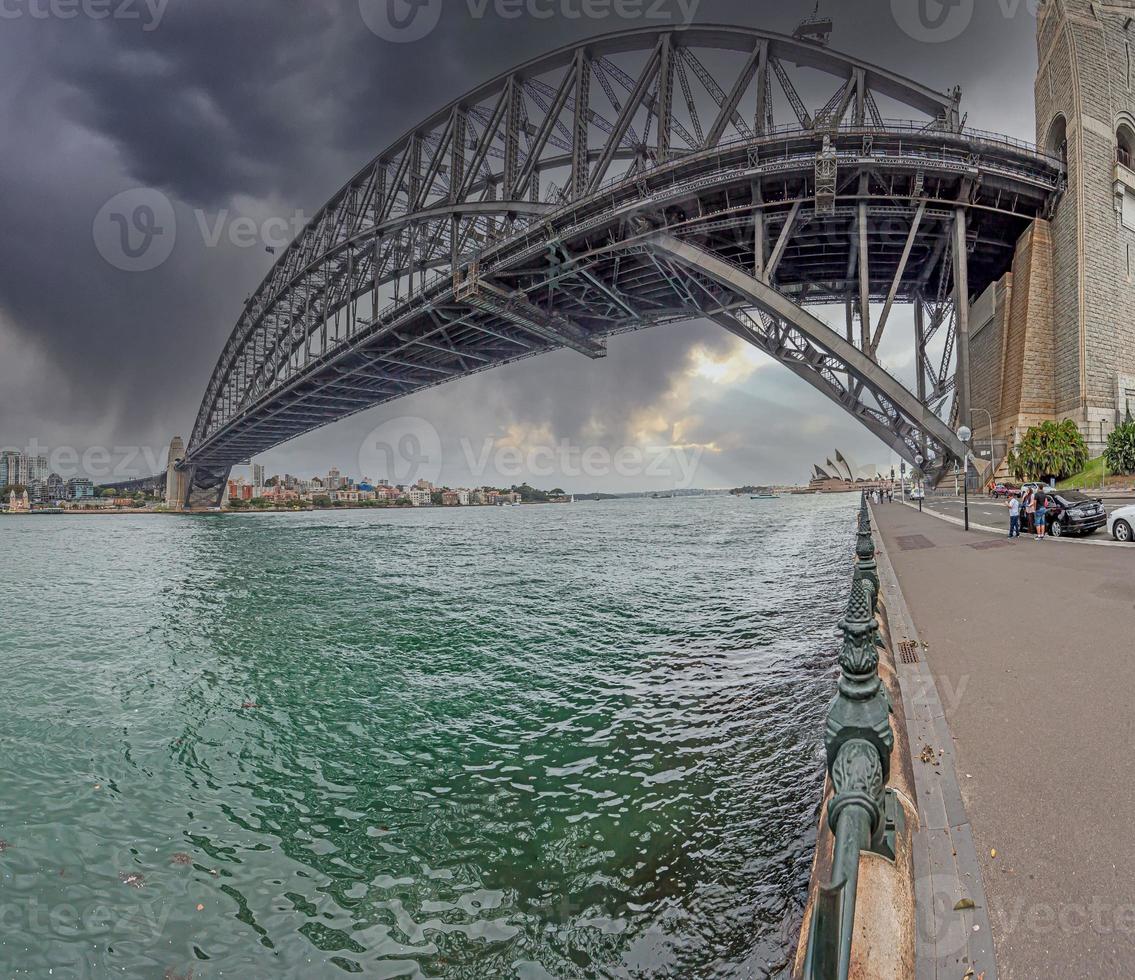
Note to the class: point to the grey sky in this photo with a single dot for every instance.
(261, 109)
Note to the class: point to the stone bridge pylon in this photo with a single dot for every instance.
(1054, 337)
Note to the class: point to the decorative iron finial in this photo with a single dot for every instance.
(861, 709)
(866, 568)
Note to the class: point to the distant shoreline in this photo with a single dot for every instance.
(244, 511)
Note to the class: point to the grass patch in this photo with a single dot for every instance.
(1093, 476)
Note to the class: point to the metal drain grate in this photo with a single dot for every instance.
(908, 652)
(913, 542)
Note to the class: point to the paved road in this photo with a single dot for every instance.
(995, 513)
(1030, 645)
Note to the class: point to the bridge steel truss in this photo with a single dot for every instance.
(637, 179)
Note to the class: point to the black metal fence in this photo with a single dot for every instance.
(863, 814)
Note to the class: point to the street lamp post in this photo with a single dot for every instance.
(965, 434)
(921, 480)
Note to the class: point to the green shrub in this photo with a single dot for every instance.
(1120, 454)
(1049, 449)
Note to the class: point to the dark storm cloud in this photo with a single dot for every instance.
(263, 108)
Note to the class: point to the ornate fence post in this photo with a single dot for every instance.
(860, 715)
(858, 741)
(866, 568)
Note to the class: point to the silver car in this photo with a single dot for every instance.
(1121, 524)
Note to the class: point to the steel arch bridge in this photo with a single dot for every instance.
(640, 178)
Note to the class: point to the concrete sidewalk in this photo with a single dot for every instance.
(1030, 645)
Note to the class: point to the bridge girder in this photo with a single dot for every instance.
(538, 188)
(901, 419)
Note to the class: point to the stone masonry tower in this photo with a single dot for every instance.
(1085, 112)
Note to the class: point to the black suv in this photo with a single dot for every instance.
(1069, 512)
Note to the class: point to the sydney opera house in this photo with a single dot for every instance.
(840, 474)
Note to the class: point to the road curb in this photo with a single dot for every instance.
(957, 521)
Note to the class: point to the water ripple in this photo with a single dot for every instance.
(531, 742)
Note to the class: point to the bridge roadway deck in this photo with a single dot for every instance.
(1030, 647)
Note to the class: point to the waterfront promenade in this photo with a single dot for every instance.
(1030, 647)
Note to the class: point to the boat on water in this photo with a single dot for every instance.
(765, 496)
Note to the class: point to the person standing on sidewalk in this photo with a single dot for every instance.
(1014, 516)
(1030, 509)
(1041, 514)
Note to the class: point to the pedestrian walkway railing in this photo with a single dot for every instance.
(863, 814)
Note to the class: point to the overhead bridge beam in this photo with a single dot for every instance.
(775, 303)
(515, 307)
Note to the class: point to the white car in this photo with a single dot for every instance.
(1121, 524)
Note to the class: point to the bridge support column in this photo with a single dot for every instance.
(177, 480)
(920, 361)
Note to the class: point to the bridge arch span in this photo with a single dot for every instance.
(553, 206)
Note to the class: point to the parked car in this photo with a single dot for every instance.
(1121, 524)
(1069, 513)
(1005, 490)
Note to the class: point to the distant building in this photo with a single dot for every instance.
(841, 475)
(258, 475)
(334, 479)
(420, 498)
(20, 469)
(80, 488)
(56, 488)
(9, 467)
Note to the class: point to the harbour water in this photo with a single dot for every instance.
(549, 741)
